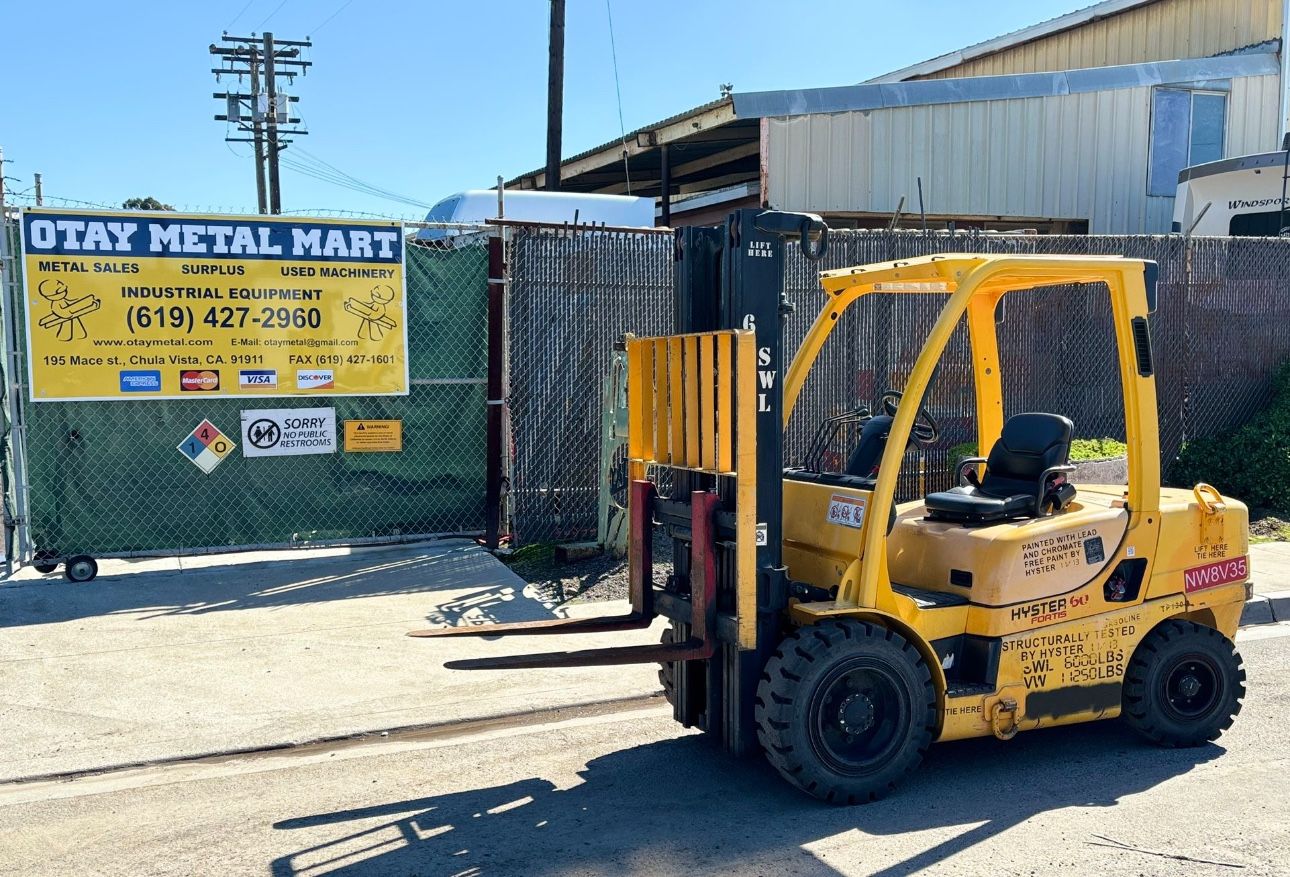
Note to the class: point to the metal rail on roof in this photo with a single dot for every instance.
(807, 101)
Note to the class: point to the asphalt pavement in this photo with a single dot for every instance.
(177, 657)
(628, 792)
(163, 701)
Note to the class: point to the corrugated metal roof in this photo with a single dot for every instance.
(630, 136)
(925, 92)
(1070, 20)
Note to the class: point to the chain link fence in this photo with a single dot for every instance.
(1221, 328)
(571, 297)
(106, 478)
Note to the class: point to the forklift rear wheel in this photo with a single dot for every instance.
(81, 568)
(1184, 685)
(845, 710)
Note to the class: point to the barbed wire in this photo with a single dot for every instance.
(24, 196)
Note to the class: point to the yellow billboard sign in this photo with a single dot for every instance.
(149, 305)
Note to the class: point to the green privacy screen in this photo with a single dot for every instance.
(107, 477)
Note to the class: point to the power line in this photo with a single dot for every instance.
(622, 129)
(248, 5)
(310, 157)
(271, 14)
(328, 19)
(320, 170)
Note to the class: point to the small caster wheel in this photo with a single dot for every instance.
(45, 561)
(81, 568)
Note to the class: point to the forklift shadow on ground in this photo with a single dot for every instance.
(728, 811)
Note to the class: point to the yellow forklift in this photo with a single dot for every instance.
(842, 633)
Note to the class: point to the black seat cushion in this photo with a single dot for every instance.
(1029, 445)
(972, 506)
(868, 450)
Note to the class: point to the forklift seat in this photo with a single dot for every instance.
(1032, 452)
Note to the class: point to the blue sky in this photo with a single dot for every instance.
(113, 100)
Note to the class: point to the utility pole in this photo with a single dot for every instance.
(270, 82)
(258, 135)
(40, 193)
(263, 111)
(555, 96)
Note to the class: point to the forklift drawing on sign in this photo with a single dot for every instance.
(66, 314)
(815, 619)
(372, 314)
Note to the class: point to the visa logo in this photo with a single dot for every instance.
(258, 379)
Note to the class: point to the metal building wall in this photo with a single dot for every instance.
(1155, 32)
(1079, 156)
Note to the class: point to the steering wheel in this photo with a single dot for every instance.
(924, 431)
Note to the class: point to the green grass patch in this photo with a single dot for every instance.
(1082, 450)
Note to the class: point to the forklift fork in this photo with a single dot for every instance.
(703, 602)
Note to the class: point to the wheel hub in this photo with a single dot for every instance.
(1192, 688)
(856, 714)
(1189, 686)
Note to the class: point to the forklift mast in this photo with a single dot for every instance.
(732, 277)
(705, 462)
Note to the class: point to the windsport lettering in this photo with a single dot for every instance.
(1211, 575)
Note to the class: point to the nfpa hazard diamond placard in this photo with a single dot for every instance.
(206, 447)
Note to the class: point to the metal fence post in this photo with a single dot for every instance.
(17, 433)
(507, 460)
(496, 400)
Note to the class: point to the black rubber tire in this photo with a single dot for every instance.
(667, 669)
(1155, 699)
(45, 561)
(81, 568)
(797, 694)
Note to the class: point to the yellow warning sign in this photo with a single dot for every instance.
(367, 436)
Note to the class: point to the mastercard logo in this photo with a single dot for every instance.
(199, 382)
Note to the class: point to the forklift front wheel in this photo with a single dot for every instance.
(81, 568)
(845, 710)
(1184, 685)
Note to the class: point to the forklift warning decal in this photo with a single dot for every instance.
(846, 510)
(1211, 575)
(151, 305)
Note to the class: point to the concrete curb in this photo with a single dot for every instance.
(1268, 608)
